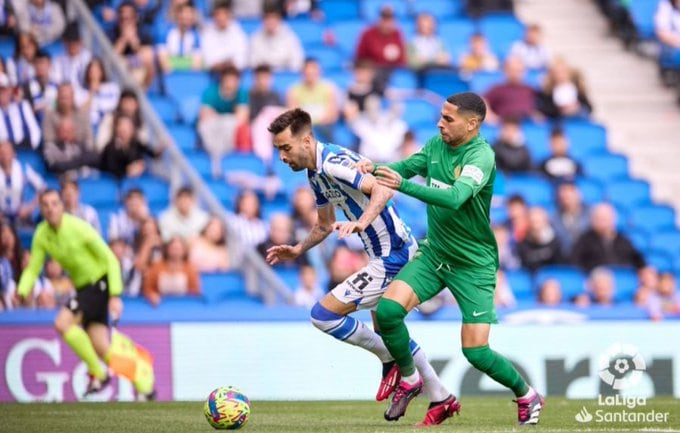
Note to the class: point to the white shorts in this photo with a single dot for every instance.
(365, 287)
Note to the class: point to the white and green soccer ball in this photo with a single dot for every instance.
(227, 408)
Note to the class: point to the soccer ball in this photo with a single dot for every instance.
(227, 408)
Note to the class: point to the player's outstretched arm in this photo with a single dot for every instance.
(379, 194)
(320, 231)
(35, 265)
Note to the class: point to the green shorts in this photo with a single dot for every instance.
(473, 288)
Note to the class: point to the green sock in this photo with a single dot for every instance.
(78, 340)
(497, 367)
(390, 316)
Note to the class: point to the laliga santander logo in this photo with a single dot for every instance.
(621, 366)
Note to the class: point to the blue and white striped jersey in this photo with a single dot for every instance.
(336, 181)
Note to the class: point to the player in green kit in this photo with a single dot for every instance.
(459, 252)
(84, 321)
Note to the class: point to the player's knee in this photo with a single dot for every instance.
(389, 314)
(323, 318)
(480, 357)
(62, 324)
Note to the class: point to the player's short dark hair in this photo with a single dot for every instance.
(185, 190)
(297, 119)
(46, 191)
(468, 102)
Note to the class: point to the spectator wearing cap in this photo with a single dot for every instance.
(70, 66)
(531, 49)
(384, 45)
(184, 218)
(18, 124)
(223, 42)
(275, 44)
(42, 18)
(603, 244)
(560, 166)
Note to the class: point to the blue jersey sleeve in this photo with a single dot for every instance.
(343, 168)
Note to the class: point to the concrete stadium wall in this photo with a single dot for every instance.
(292, 360)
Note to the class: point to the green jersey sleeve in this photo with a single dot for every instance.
(35, 264)
(414, 165)
(477, 169)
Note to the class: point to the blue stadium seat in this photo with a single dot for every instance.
(340, 77)
(243, 162)
(328, 57)
(289, 276)
(639, 238)
(661, 260)
(606, 167)
(667, 241)
(572, 280)
(291, 179)
(347, 34)
(157, 191)
(33, 159)
(164, 107)
(628, 193)
(501, 30)
(489, 132)
(6, 47)
(99, 192)
(224, 192)
(537, 137)
(642, 13)
(440, 9)
(344, 136)
(592, 190)
(652, 218)
(626, 283)
(309, 32)
(585, 139)
(520, 284)
(444, 83)
(223, 286)
(200, 161)
(536, 190)
(283, 80)
(403, 79)
(186, 88)
(456, 33)
(184, 136)
(419, 112)
(339, 10)
(279, 204)
(370, 9)
(250, 25)
(482, 82)
(499, 215)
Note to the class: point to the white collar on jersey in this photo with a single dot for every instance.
(319, 156)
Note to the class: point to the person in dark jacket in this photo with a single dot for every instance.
(512, 154)
(541, 246)
(124, 154)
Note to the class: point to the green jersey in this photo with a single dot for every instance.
(79, 249)
(458, 194)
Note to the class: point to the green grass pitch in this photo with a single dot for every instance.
(479, 414)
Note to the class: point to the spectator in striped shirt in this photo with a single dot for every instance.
(70, 66)
(15, 179)
(247, 221)
(42, 18)
(41, 90)
(18, 124)
(70, 194)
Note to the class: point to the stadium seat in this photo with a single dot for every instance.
(661, 260)
(501, 30)
(585, 139)
(537, 137)
(224, 192)
(667, 241)
(482, 82)
(165, 108)
(184, 136)
(606, 167)
(309, 32)
(289, 276)
(444, 83)
(186, 88)
(157, 192)
(592, 190)
(243, 162)
(6, 47)
(328, 57)
(499, 215)
(520, 284)
(535, 189)
(403, 79)
(456, 33)
(99, 192)
(280, 204)
(347, 34)
(344, 136)
(250, 25)
(626, 283)
(339, 10)
(628, 193)
(283, 80)
(489, 132)
(33, 159)
(200, 161)
(223, 286)
(572, 280)
(419, 112)
(440, 9)
(642, 13)
(340, 77)
(639, 238)
(370, 9)
(652, 218)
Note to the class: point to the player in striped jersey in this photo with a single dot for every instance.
(333, 176)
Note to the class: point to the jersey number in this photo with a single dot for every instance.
(361, 281)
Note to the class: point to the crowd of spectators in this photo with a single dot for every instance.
(83, 123)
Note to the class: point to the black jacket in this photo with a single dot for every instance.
(590, 251)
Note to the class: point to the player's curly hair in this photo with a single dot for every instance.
(298, 120)
(468, 102)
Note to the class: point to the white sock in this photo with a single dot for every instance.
(433, 387)
(529, 394)
(412, 379)
(366, 338)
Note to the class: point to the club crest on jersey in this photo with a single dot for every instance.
(456, 172)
